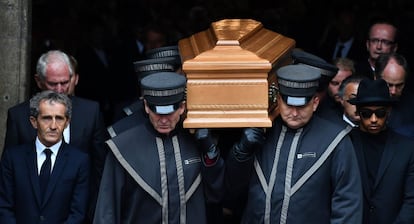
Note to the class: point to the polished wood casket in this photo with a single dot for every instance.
(230, 70)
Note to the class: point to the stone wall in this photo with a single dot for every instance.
(15, 17)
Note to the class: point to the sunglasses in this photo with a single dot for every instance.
(367, 113)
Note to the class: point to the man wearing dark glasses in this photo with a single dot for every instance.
(386, 158)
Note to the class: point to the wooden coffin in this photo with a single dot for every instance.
(230, 72)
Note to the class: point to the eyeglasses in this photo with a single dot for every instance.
(381, 41)
(367, 113)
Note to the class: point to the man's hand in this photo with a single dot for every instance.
(207, 145)
(251, 140)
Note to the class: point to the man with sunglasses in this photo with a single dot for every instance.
(386, 158)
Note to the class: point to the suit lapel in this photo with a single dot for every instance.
(361, 161)
(31, 163)
(60, 163)
(387, 156)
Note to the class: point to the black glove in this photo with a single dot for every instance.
(251, 140)
(206, 143)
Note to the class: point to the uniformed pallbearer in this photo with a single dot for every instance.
(158, 172)
(303, 169)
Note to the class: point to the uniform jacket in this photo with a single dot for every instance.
(134, 115)
(66, 197)
(152, 178)
(309, 175)
(392, 197)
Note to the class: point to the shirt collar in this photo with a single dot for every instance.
(40, 147)
(348, 121)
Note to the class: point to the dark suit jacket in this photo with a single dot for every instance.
(392, 197)
(362, 67)
(327, 49)
(401, 119)
(66, 197)
(87, 132)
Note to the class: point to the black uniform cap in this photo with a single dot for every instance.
(297, 83)
(164, 91)
(313, 61)
(327, 70)
(161, 52)
(150, 66)
(168, 51)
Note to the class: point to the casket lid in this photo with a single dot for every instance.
(234, 44)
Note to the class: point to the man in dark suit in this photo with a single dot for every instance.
(340, 39)
(86, 129)
(382, 39)
(394, 69)
(385, 158)
(45, 180)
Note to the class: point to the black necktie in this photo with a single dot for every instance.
(45, 171)
(339, 51)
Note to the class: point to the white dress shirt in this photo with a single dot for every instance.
(66, 134)
(41, 156)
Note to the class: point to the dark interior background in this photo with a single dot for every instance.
(70, 25)
(63, 24)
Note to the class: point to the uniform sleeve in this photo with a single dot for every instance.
(108, 206)
(347, 195)
(237, 179)
(213, 180)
